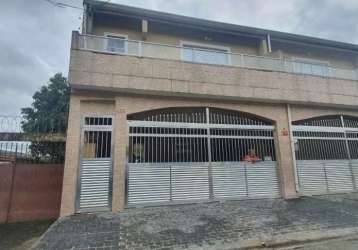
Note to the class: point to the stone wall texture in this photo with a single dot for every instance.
(129, 74)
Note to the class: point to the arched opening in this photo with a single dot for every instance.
(199, 153)
(199, 134)
(326, 151)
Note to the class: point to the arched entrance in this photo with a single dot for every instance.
(326, 151)
(185, 154)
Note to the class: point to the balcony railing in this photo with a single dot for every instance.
(216, 57)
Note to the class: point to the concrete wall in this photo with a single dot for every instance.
(130, 74)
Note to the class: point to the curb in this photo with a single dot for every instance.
(283, 240)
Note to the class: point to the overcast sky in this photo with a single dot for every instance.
(35, 35)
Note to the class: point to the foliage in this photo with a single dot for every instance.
(48, 114)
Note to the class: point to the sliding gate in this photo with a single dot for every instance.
(326, 150)
(188, 154)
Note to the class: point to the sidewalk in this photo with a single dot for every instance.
(215, 225)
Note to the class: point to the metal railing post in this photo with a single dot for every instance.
(210, 172)
(348, 153)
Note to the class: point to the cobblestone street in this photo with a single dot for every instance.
(215, 225)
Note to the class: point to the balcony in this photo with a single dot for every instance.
(170, 52)
(141, 67)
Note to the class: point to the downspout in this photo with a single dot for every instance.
(268, 39)
(292, 146)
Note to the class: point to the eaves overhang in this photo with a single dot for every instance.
(220, 27)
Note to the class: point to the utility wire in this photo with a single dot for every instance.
(63, 5)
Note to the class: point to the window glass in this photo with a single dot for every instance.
(204, 55)
(116, 44)
(311, 67)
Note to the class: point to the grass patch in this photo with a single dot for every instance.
(22, 235)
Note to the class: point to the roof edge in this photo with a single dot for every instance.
(100, 6)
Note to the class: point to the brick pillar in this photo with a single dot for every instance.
(120, 157)
(284, 159)
(71, 161)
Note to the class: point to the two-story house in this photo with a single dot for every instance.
(169, 109)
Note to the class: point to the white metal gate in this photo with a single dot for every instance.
(186, 154)
(95, 177)
(326, 151)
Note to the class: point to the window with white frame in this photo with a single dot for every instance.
(116, 43)
(202, 53)
(310, 66)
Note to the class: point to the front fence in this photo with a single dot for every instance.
(30, 191)
(41, 140)
(326, 154)
(31, 167)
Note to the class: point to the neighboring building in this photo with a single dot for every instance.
(167, 108)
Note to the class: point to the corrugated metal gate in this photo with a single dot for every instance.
(326, 151)
(186, 154)
(95, 178)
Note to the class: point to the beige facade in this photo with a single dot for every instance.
(170, 77)
(105, 83)
(122, 105)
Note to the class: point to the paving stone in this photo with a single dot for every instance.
(200, 225)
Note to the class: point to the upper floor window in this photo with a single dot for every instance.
(116, 43)
(202, 53)
(310, 66)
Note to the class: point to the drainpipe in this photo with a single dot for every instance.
(292, 146)
(268, 39)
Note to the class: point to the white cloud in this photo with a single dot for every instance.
(36, 35)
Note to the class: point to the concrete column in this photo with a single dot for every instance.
(263, 49)
(75, 40)
(120, 157)
(71, 160)
(285, 162)
(144, 29)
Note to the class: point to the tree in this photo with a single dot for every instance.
(48, 114)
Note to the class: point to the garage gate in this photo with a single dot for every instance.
(326, 151)
(191, 154)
